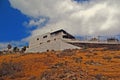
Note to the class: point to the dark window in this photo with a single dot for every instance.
(52, 50)
(37, 38)
(48, 41)
(68, 37)
(45, 36)
(55, 39)
(40, 43)
(47, 50)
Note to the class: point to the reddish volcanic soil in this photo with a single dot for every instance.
(89, 64)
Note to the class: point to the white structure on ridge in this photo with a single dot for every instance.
(56, 41)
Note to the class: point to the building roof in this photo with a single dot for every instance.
(58, 31)
(61, 30)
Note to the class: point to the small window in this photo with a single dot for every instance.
(55, 39)
(40, 43)
(48, 41)
(45, 36)
(37, 38)
(52, 50)
(47, 50)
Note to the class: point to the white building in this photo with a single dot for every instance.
(56, 41)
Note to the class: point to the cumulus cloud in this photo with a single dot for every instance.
(36, 22)
(3, 46)
(96, 17)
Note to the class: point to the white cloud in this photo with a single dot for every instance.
(36, 22)
(3, 46)
(96, 17)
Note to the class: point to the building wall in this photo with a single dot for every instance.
(53, 45)
(51, 42)
(65, 45)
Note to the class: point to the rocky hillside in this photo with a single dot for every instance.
(90, 64)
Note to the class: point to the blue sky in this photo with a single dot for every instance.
(12, 26)
(19, 19)
(11, 22)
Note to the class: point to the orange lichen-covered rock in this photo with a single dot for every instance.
(90, 64)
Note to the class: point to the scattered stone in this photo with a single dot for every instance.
(2, 78)
(78, 59)
(57, 65)
(91, 62)
(100, 77)
(118, 57)
(67, 52)
(65, 73)
(32, 78)
(108, 58)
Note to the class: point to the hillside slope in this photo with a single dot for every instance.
(90, 64)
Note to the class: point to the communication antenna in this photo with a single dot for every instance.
(99, 37)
